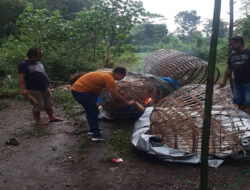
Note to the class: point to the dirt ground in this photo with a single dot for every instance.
(61, 156)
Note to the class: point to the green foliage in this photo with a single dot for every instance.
(64, 99)
(10, 10)
(222, 50)
(105, 28)
(132, 61)
(53, 34)
(9, 88)
(223, 28)
(222, 68)
(11, 54)
(243, 29)
(40, 28)
(67, 8)
(148, 34)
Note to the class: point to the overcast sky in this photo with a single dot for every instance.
(204, 8)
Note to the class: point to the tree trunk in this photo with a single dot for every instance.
(112, 37)
(107, 65)
(209, 97)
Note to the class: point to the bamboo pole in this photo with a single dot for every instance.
(230, 35)
(209, 97)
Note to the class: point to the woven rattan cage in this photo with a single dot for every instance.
(184, 68)
(145, 89)
(178, 118)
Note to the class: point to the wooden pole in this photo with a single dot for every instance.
(209, 97)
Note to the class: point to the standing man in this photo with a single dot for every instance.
(239, 63)
(34, 84)
(86, 90)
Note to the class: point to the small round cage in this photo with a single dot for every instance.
(145, 89)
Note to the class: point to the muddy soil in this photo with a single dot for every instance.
(61, 156)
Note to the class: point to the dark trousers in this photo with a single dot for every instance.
(88, 101)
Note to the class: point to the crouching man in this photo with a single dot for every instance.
(34, 84)
(86, 89)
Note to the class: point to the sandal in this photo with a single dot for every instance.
(56, 120)
(12, 141)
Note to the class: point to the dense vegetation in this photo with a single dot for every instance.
(83, 35)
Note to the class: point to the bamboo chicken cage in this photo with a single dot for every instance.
(178, 119)
(184, 68)
(145, 89)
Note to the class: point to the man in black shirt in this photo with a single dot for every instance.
(34, 84)
(239, 63)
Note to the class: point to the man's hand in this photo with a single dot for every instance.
(222, 84)
(132, 102)
(24, 92)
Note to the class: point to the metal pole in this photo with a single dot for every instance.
(209, 97)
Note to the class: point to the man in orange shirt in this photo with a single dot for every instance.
(86, 89)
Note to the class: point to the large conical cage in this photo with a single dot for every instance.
(183, 68)
(178, 119)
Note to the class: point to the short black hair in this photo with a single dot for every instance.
(238, 39)
(120, 70)
(33, 52)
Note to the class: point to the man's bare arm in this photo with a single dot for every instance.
(117, 97)
(22, 84)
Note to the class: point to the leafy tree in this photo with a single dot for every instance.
(40, 28)
(53, 34)
(67, 8)
(245, 6)
(148, 34)
(106, 25)
(187, 21)
(243, 28)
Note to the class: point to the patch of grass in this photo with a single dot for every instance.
(118, 145)
(66, 100)
(9, 88)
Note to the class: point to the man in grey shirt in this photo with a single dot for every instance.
(34, 84)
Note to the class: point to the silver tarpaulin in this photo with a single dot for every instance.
(143, 140)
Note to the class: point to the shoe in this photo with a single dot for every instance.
(91, 133)
(100, 138)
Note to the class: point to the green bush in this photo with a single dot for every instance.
(9, 88)
(12, 53)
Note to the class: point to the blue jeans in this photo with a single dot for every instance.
(241, 94)
(88, 101)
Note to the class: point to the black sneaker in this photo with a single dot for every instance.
(91, 133)
(100, 138)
